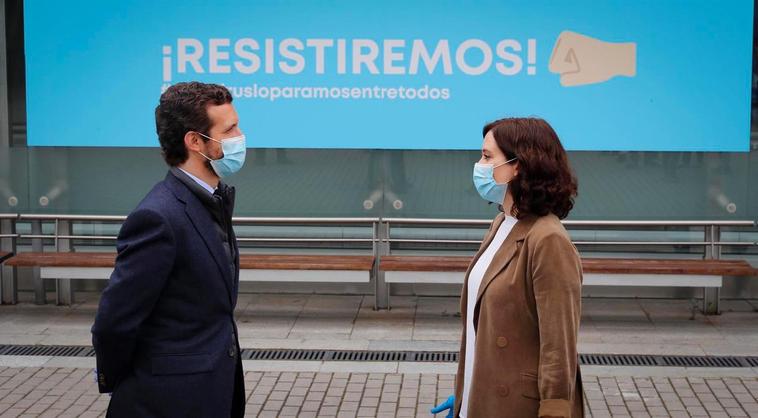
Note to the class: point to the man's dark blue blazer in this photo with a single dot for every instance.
(164, 334)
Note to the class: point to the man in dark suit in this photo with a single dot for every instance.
(164, 334)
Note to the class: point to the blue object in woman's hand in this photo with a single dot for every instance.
(448, 405)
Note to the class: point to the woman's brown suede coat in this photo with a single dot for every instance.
(526, 321)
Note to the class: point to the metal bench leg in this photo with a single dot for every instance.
(8, 286)
(374, 280)
(711, 299)
(40, 296)
(381, 292)
(64, 292)
(381, 288)
(8, 281)
(711, 295)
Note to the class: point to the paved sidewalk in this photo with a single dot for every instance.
(339, 322)
(67, 392)
(63, 386)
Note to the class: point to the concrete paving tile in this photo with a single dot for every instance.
(405, 345)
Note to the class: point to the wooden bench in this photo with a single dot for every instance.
(707, 274)
(253, 267)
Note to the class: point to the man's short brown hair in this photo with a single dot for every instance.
(183, 108)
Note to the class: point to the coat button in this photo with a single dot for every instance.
(232, 352)
(502, 342)
(503, 391)
(101, 379)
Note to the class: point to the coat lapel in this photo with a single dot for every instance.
(202, 220)
(503, 257)
(235, 287)
(485, 243)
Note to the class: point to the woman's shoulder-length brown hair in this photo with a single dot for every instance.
(545, 182)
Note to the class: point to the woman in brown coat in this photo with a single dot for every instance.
(521, 301)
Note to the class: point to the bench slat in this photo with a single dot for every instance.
(655, 266)
(306, 262)
(63, 260)
(247, 261)
(424, 263)
(406, 263)
(589, 265)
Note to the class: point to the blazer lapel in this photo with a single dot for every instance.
(236, 278)
(503, 256)
(485, 243)
(202, 220)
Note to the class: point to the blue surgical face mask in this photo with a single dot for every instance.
(484, 181)
(234, 155)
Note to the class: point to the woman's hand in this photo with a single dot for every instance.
(448, 405)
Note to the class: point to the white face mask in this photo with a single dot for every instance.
(234, 155)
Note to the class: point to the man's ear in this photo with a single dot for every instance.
(192, 141)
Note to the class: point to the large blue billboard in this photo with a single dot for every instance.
(612, 75)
